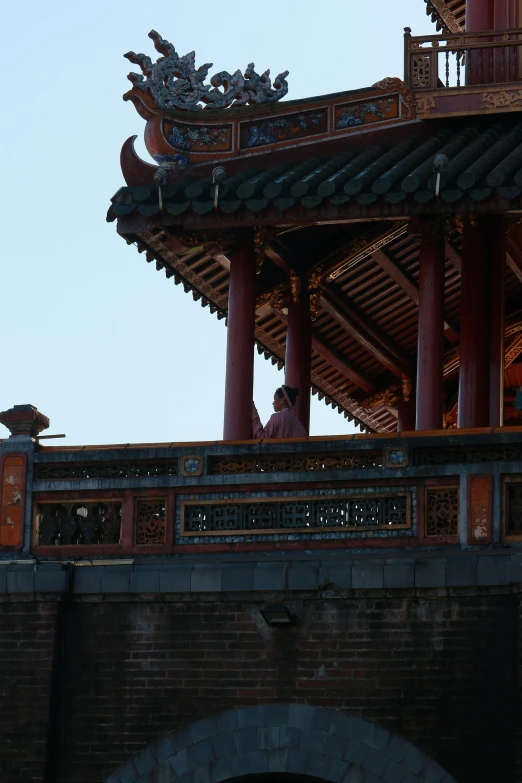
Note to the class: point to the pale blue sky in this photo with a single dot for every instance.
(92, 335)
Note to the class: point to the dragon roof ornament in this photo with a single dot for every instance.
(175, 83)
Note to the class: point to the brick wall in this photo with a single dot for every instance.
(27, 684)
(439, 670)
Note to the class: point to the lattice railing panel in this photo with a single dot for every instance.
(442, 511)
(150, 522)
(513, 508)
(304, 514)
(116, 469)
(78, 523)
(297, 462)
(456, 455)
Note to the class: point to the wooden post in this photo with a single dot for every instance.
(407, 414)
(430, 353)
(298, 355)
(474, 375)
(239, 380)
(496, 231)
(479, 15)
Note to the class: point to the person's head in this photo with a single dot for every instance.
(285, 397)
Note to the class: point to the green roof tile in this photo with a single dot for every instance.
(481, 163)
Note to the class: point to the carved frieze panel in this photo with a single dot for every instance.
(354, 113)
(297, 462)
(442, 511)
(350, 512)
(288, 127)
(114, 469)
(198, 138)
(455, 455)
(78, 523)
(150, 522)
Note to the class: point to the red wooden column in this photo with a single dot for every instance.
(474, 375)
(479, 15)
(430, 353)
(239, 380)
(496, 232)
(298, 355)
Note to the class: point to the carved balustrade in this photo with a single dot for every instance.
(412, 490)
(462, 59)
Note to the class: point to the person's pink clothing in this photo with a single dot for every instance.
(283, 424)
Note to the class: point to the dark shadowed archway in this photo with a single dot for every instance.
(283, 740)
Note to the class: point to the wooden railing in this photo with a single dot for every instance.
(394, 490)
(434, 62)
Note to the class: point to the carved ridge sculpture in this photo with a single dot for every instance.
(175, 83)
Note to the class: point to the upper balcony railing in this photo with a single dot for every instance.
(395, 490)
(459, 60)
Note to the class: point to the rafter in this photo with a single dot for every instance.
(366, 334)
(408, 286)
(346, 368)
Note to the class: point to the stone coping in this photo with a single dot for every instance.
(228, 576)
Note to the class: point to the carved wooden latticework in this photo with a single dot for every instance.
(79, 523)
(150, 522)
(298, 462)
(513, 508)
(116, 469)
(442, 511)
(421, 70)
(456, 455)
(299, 514)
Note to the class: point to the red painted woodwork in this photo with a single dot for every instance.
(12, 505)
(480, 509)
(506, 14)
(239, 380)
(497, 236)
(479, 15)
(407, 414)
(474, 376)
(430, 358)
(299, 354)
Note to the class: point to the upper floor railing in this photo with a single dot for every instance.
(394, 490)
(455, 60)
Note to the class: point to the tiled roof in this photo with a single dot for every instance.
(482, 163)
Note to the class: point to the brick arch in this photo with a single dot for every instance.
(292, 739)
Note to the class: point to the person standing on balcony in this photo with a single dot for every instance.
(284, 422)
